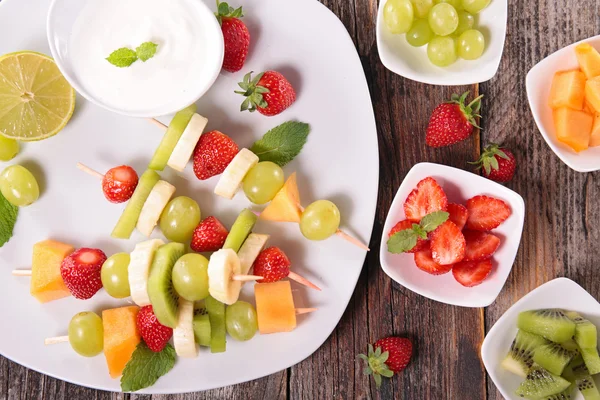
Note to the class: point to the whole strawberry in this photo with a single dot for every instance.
(119, 183)
(452, 122)
(213, 153)
(272, 264)
(155, 334)
(386, 357)
(235, 36)
(209, 235)
(498, 163)
(269, 93)
(81, 272)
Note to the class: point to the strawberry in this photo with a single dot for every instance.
(447, 244)
(426, 198)
(422, 244)
(480, 245)
(272, 264)
(81, 272)
(269, 93)
(472, 273)
(425, 262)
(498, 163)
(458, 214)
(486, 213)
(399, 350)
(209, 235)
(212, 154)
(155, 334)
(119, 183)
(452, 122)
(236, 37)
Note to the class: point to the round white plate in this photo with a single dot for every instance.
(339, 162)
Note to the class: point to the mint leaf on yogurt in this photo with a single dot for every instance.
(122, 57)
(146, 51)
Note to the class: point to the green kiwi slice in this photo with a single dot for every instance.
(552, 324)
(541, 384)
(201, 325)
(178, 124)
(163, 297)
(520, 356)
(553, 357)
(591, 359)
(586, 334)
(588, 389)
(216, 314)
(240, 230)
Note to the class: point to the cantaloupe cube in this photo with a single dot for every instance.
(592, 92)
(121, 337)
(46, 282)
(595, 136)
(568, 90)
(285, 207)
(275, 307)
(589, 60)
(573, 127)
(587, 107)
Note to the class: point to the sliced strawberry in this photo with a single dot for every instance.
(422, 244)
(426, 198)
(480, 245)
(486, 213)
(447, 244)
(472, 273)
(119, 183)
(458, 214)
(425, 262)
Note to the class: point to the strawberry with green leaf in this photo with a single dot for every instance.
(453, 121)
(498, 163)
(387, 357)
(269, 93)
(409, 237)
(236, 36)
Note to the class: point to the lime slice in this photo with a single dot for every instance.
(36, 101)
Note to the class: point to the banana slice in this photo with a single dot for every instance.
(139, 269)
(232, 177)
(222, 265)
(251, 248)
(187, 143)
(153, 207)
(183, 334)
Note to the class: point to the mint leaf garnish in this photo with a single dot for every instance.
(282, 143)
(431, 221)
(145, 367)
(146, 51)
(402, 241)
(122, 57)
(406, 239)
(8, 218)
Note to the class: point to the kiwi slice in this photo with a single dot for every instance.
(588, 389)
(216, 315)
(586, 334)
(131, 214)
(163, 297)
(552, 324)
(541, 384)
(570, 345)
(520, 357)
(575, 369)
(201, 324)
(553, 357)
(566, 394)
(240, 230)
(171, 137)
(591, 359)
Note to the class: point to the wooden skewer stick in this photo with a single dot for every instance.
(157, 123)
(305, 310)
(55, 340)
(90, 171)
(303, 281)
(246, 278)
(21, 272)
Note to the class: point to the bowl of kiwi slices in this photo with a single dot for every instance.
(546, 345)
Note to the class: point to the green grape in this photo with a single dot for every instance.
(471, 44)
(19, 186)
(241, 321)
(190, 277)
(466, 21)
(263, 182)
(8, 148)
(179, 219)
(421, 7)
(420, 34)
(320, 220)
(443, 19)
(475, 6)
(441, 51)
(86, 334)
(115, 275)
(457, 4)
(398, 15)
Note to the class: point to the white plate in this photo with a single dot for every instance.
(459, 186)
(559, 293)
(411, 62)
(539, 81)
(73, 209)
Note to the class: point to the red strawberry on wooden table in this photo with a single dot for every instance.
(426, 198)
(498, 163)
(236, 36)
(269, 93)
(209, 235)
(453, 122)
(81, 272)
(273, 265)
(386, 357)
(155, 334)
(486, 213)
(119, 183)
(213, 153)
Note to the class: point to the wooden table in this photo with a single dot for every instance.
(561, 235)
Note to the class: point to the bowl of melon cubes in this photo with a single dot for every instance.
(564, 95)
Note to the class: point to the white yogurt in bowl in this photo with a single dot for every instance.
(188, 58)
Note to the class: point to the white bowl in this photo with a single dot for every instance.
(411, 62)
(62, 19)
(459, 186)
(559, 293)
(538, 82)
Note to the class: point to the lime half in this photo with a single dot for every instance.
(36, 101)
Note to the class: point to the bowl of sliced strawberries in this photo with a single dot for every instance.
(451, 235)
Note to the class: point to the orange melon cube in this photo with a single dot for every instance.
(595, 136)
(592, 92)
(568, 90)
(121, 337)
(573, 127)
(275, 307)
(46, 282)
(285, 207)
(589, 60)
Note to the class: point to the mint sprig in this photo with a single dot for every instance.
(145, 367)
(406, 239)
(8, 218)
(125, 56)
(282, 143)
(146, 51)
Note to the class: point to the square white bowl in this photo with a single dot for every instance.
(411, 62)
(558, 293)
(538, 83)
(459, 186)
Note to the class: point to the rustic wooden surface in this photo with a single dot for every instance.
(562, 229)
